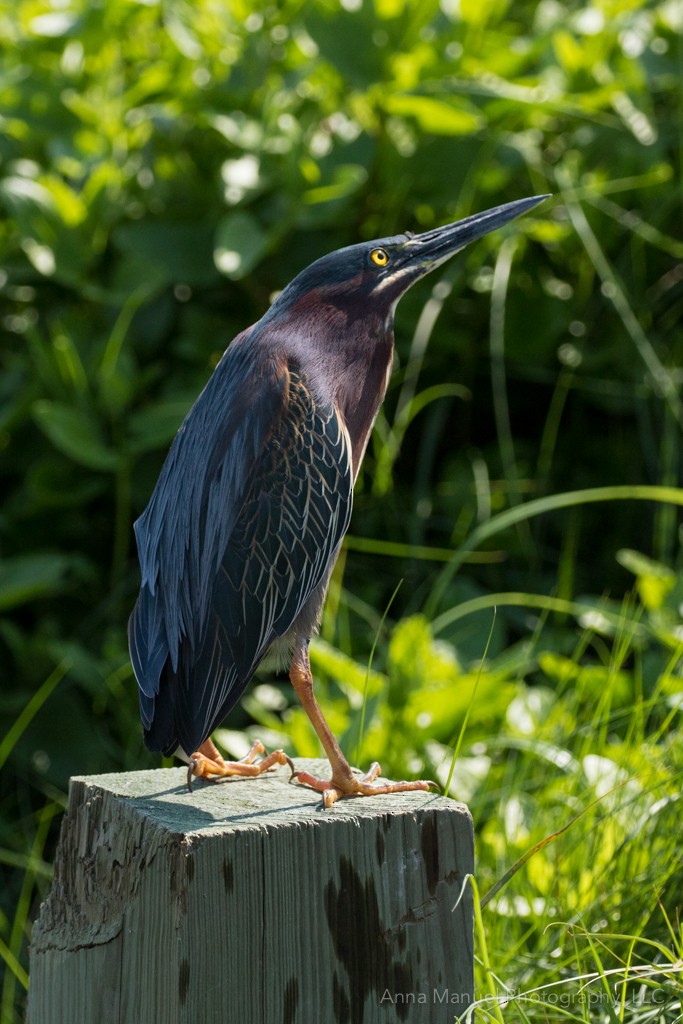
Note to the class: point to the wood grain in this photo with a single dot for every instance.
(244, 901)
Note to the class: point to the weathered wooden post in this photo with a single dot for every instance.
(245, 902)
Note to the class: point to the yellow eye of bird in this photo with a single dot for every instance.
(380, 257)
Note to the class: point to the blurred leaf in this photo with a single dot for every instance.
(641, 565)
(569, 53)
(51, 485)
(68, 204)
(74, 433)
(416, 660)
(141, 143)
(240, 244)
(52, 25)
(469, 774)
(655, 581)
(347, 179)
(345, 670)
(155, 426)
(433, 115)
(346, 39)
(27, 577)
(301, 734)
(478, 12)
(529, 709)
(169, 251)
(439, 710)
(26, 198)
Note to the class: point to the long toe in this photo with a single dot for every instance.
(202, 766)
(338, 788)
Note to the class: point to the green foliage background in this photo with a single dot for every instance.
(165, 167)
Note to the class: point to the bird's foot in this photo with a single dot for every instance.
(207, 762)
(345, 783)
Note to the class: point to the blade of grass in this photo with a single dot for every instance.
(31, 710)
(631, 220)
(22, 911)
(551, 427)
(612, 1015)
(522, 600)
(13, 965)
(361, 726)
(393, 438)
(662, 379)
(539, 506)
(480, 932)
(470, 704)
(396, 549)
(117, 337)
(501, 410)
(521, 861)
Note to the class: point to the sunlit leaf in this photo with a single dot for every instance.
(655, 580)
(68, 204)
(435, 116)
(641, 565)
(478, 12)
(569, 53)
(22, 194)
(347, 180)
(52, 26)
(345, 670)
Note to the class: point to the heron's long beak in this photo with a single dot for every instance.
(427, 251)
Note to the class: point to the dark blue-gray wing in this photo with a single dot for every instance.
(294, 509)
(182, 534)
(282, 547)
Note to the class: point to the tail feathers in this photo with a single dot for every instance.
(161, 734)
(180, 707)
(148, 651)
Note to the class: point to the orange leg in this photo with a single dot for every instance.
(342, 782)
(207, 761)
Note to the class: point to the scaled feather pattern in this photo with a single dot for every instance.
(242, 528)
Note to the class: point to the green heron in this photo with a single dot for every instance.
(246, 521)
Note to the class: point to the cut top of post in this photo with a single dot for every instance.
(235, 804)
(246, 901)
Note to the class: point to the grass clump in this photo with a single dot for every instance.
(571, 764)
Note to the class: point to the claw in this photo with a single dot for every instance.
(207, 762)
(367, 785)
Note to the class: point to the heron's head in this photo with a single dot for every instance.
(370, 278)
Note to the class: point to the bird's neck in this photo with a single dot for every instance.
(360, 384)
(347, 352)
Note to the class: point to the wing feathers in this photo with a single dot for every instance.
(243, 526)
